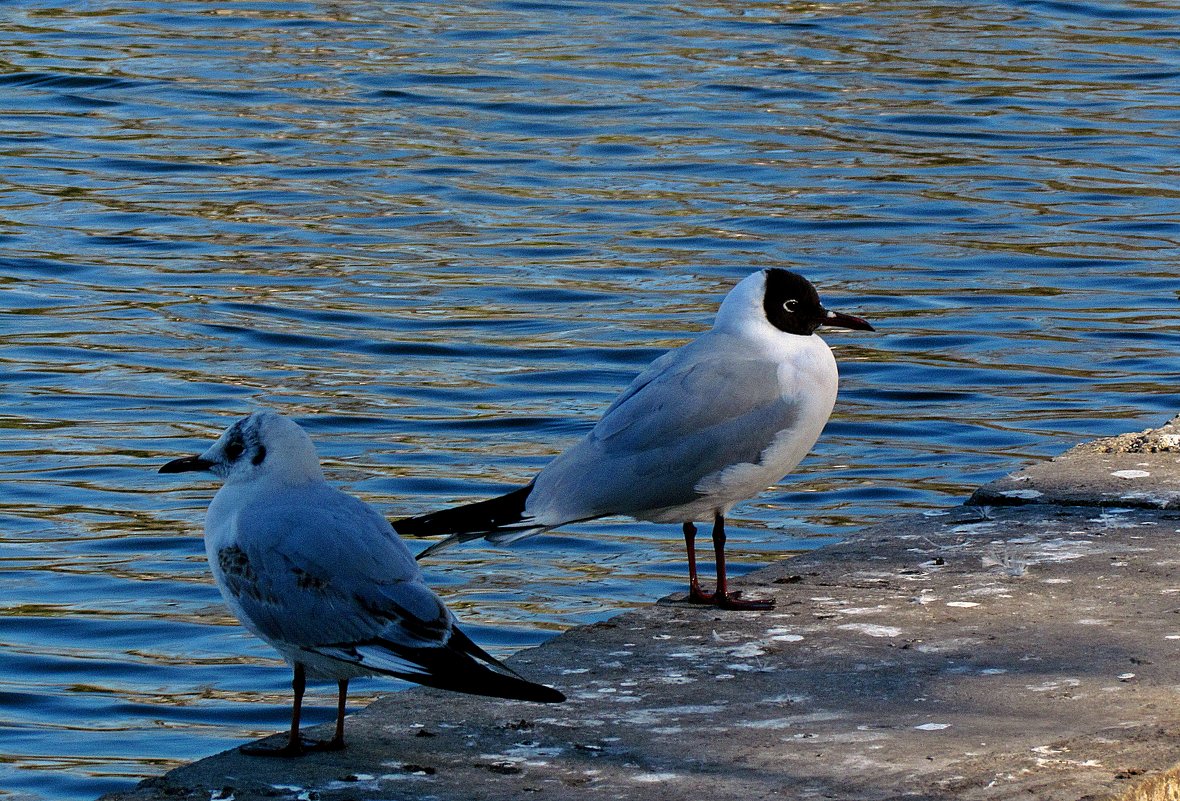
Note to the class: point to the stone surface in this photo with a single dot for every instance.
(975, 653)
(1140, 469)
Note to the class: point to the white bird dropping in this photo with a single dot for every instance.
(706, 425)
(322, 578)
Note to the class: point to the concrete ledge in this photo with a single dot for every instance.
(1011, 652)
(1128, 470)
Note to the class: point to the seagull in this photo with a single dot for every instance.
(705, 426)
(323, 579)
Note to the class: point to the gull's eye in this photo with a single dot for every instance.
(234, 449)
(790, 305)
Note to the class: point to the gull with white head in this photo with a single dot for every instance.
(322, 578)
(705, 426)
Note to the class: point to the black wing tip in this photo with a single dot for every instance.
(420, 526)
(474, 519)
(547, 695)
(462, 666)
(512, 688)
(498, 679)
(492, 684)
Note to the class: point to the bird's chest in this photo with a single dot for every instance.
(238, 564)
(807, 386)
(226, 553)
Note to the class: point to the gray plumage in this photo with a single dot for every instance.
(322, 577)
(705, 426)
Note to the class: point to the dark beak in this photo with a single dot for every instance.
(186, 465)
(839, 320)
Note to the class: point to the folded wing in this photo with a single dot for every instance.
(682, 421)
(357, 597)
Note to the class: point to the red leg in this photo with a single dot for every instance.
(296, 745)
(338, 741)
(722, 597)
(695, 594)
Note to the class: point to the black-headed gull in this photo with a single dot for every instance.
(321, 577)
(706, 425)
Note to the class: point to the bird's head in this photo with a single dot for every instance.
(786, 300)
(264, 444)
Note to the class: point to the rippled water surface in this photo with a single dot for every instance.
(443, 236)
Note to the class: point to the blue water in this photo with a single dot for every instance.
(443, 236)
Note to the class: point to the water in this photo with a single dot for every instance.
(443, 236)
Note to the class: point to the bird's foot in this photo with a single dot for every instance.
(734, 601)
(698, 596)
(297, 748)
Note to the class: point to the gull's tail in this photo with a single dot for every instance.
(458, 665)
(500, 520)
(490, 676)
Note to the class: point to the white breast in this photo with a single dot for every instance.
(808, 381)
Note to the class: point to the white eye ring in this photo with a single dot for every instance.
(790, 304)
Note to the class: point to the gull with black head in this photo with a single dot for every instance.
(705, 426)
(322, 578)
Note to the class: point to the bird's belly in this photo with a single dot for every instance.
(718, 492)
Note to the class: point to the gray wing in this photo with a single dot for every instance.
(328, 571)
(698, 401)
(687, 417)
(327, 576)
